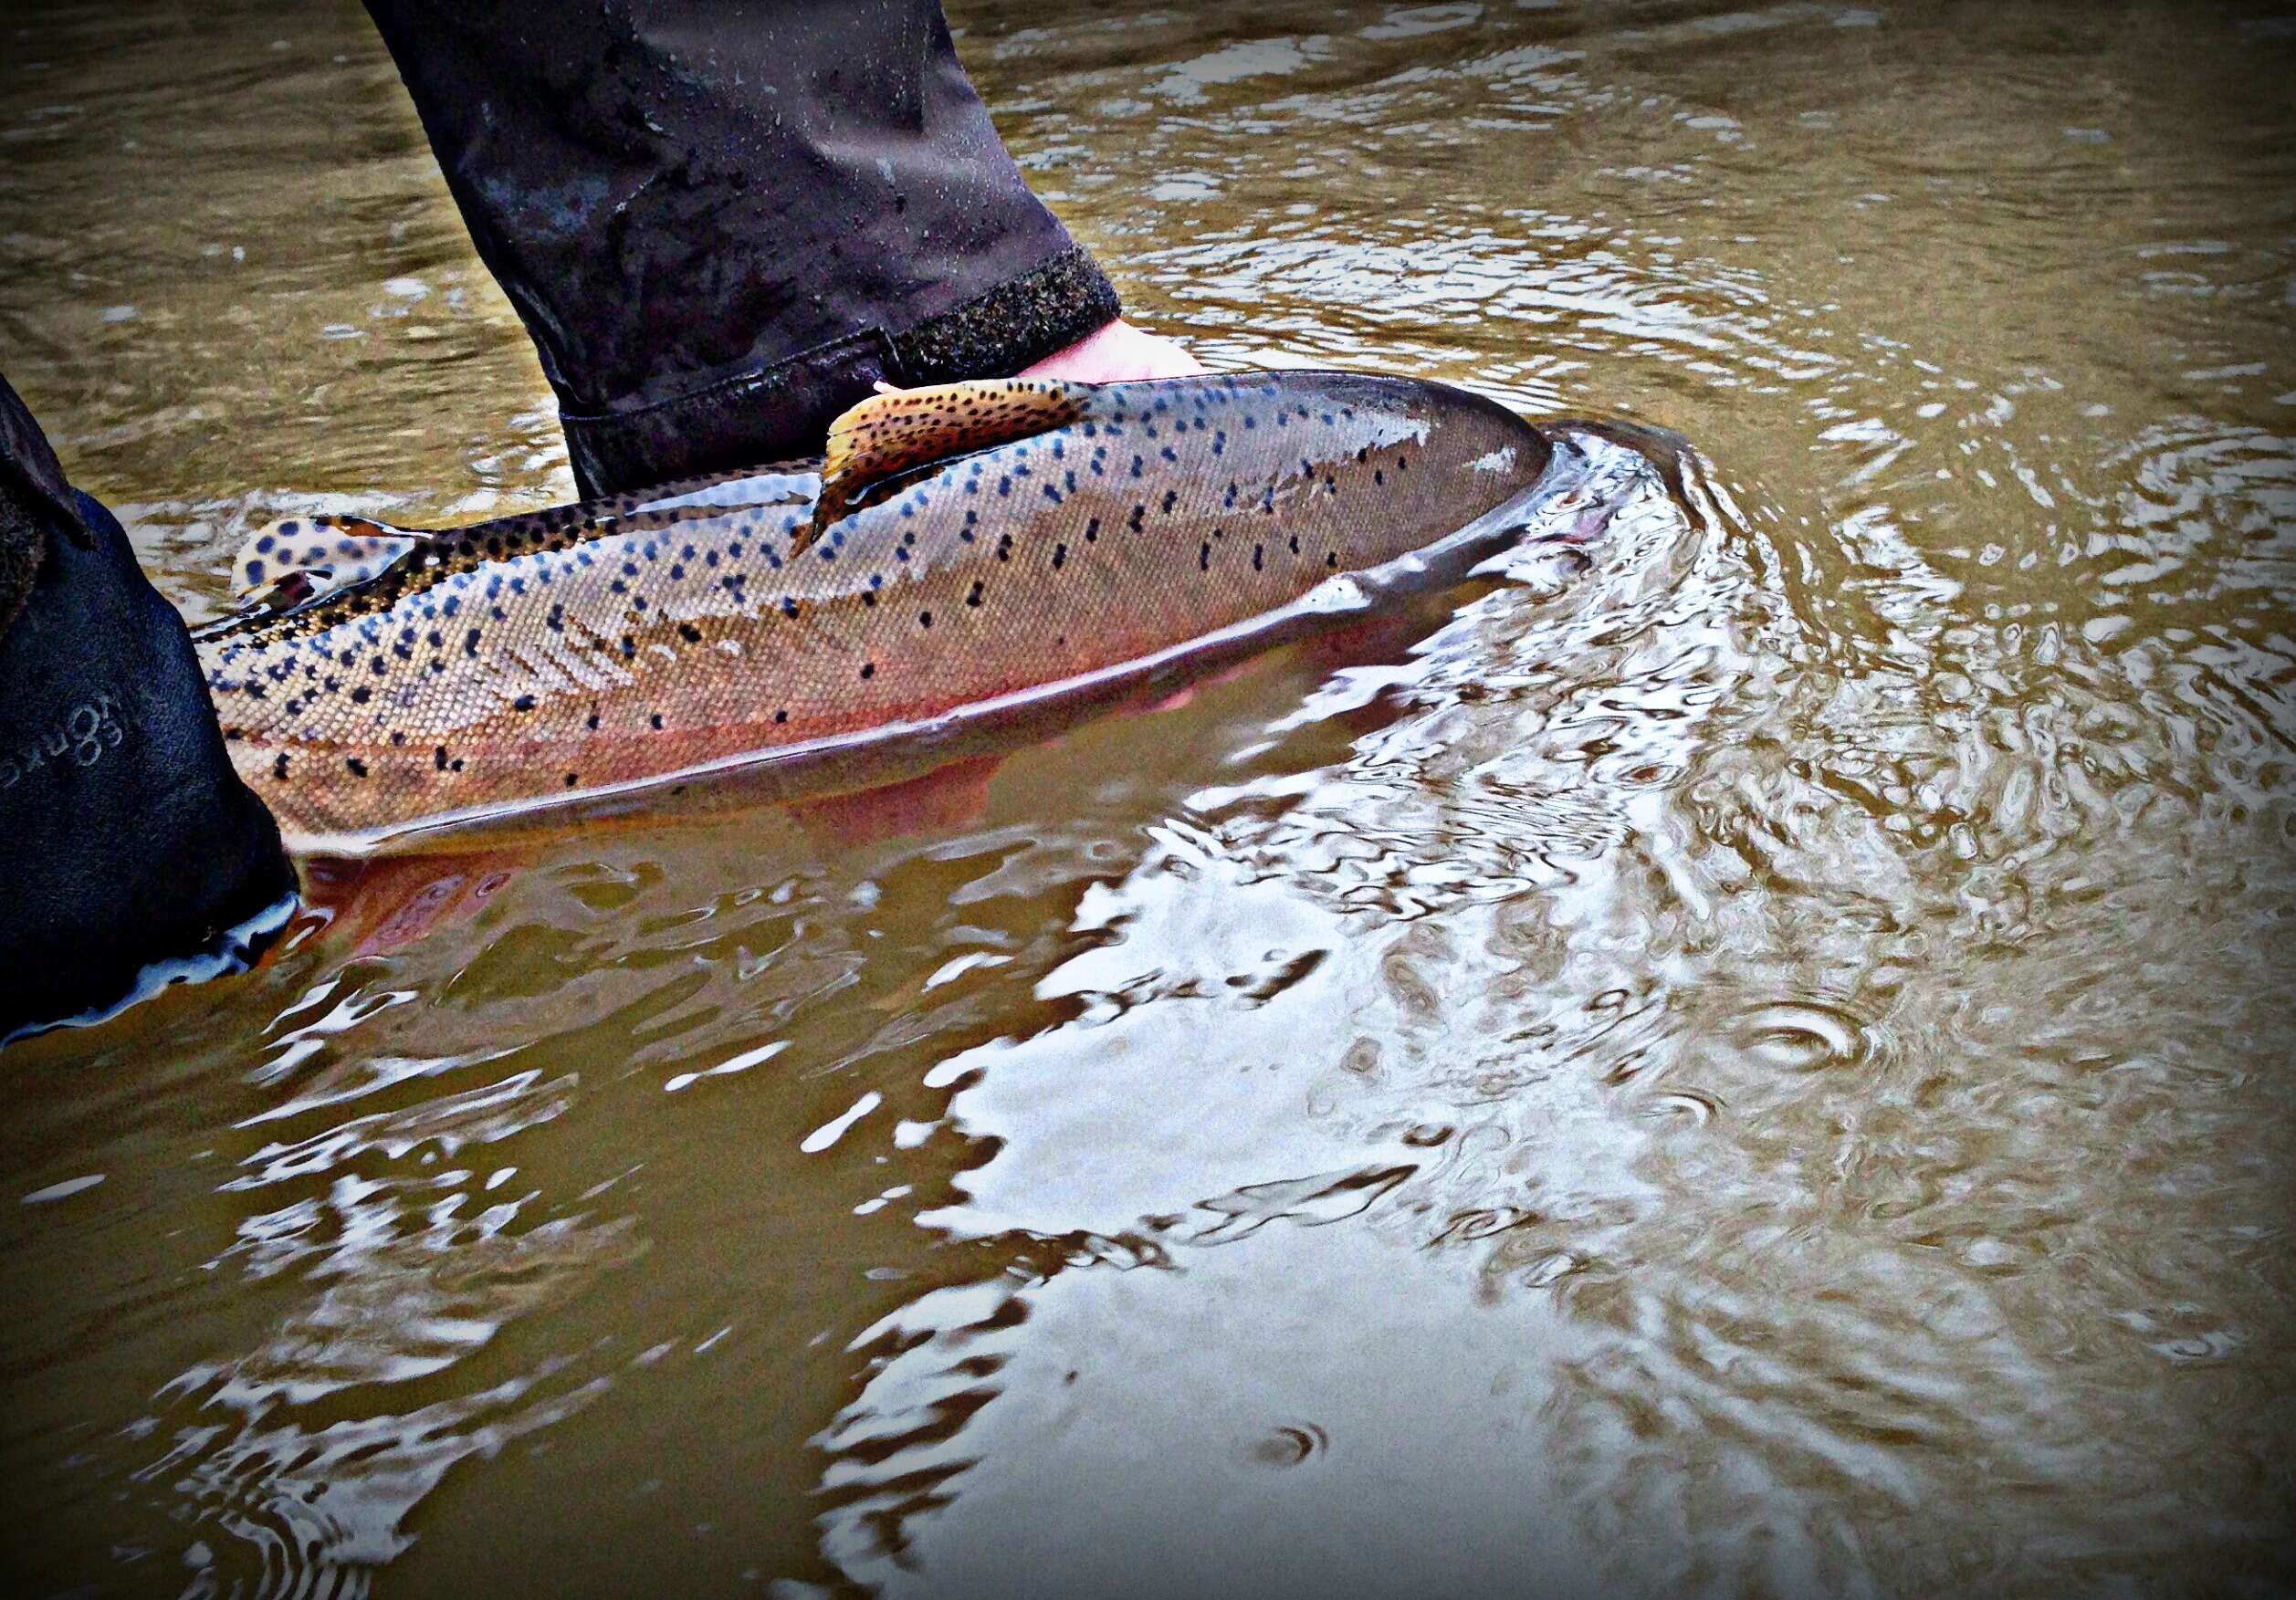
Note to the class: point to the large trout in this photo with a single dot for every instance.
(962, 550)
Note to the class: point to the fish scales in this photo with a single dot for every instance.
(555, 655)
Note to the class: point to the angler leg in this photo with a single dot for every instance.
(129, 838)
(724, 223)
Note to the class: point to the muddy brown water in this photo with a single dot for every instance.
(1762, 1068)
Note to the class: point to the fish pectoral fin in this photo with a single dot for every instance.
(290, 560)
(897, 432)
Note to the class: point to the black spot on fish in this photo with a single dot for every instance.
(655, 721)
(783, 715)
(974, 598)
(1203, 557)
(1171, 499)
(438, 758)
(789, 606)
(1257, 551)
(924, 619)
(688, 632)
(361, 695)
(357, 768)
(278, 766)
(255, 571)
(1060, 557)
(572, 779)
(869, 669)
(590, 721)
(1092, 531)
(523, 703)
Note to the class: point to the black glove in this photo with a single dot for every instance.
(125, 837)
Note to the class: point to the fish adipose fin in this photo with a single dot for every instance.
(890, 434)
(289, 562)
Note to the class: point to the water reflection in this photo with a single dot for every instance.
(1757, 1063)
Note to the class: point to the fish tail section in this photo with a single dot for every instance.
(299, 558)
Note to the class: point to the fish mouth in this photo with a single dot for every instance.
(1571, 503)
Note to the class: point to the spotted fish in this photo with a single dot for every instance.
(962, 550)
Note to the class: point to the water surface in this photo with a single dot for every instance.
(1762, 1068)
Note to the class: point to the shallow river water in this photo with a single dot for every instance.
(1762, 1068)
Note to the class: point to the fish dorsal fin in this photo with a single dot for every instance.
(904, 429)
(291, 560)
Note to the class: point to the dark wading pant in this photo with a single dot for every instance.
(721, 223)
